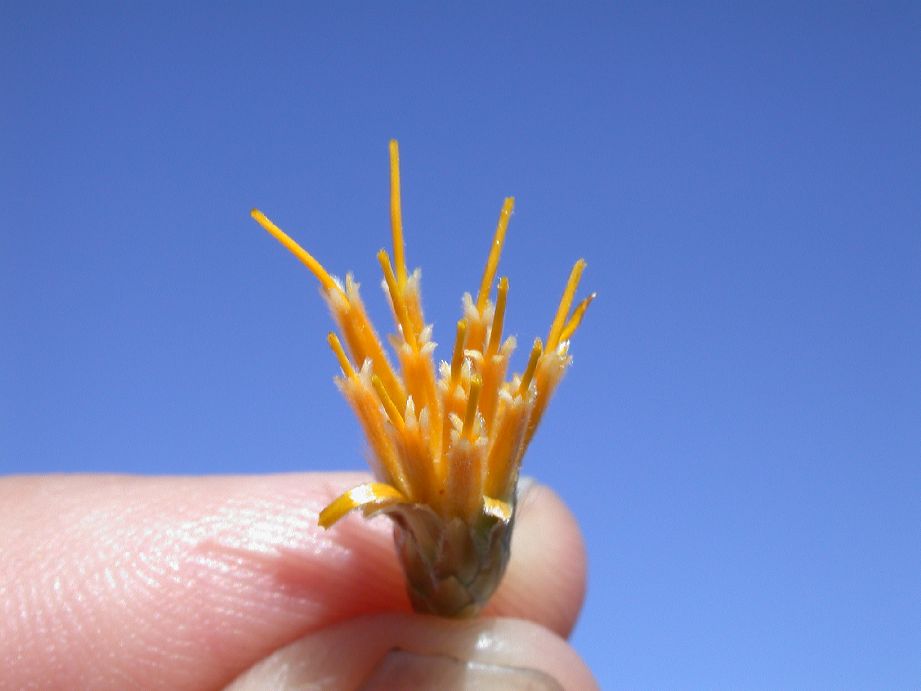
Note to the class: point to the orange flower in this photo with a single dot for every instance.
(448, 446)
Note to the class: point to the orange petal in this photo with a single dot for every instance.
(375, 495)
(497, 508)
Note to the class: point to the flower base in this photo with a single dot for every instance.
(452, 567)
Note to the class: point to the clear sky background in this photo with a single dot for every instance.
(740, 433)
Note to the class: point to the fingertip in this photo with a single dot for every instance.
(546, 576)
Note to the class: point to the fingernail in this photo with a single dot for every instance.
(525, 484)
(400, 669)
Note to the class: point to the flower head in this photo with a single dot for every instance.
(446, 445)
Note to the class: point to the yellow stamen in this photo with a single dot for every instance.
(315, 267)
(457, 359)
(576, 318)
(373, 495)
(502, 461)
(396, 214)
(536, 351)
(373, 418)
(392, 412)
(475, 385)
(489, 273)
(362, 339)
(495, 336)
(553, 338)
(464, 481)
(413, 303)
(344, 363)
(396, 298)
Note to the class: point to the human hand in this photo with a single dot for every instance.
(181, 582)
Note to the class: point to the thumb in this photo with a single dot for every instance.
(400, 651)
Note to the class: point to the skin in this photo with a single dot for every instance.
(188, 583)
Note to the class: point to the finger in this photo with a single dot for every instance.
(183, 582)
(545, 579)
(399, 651)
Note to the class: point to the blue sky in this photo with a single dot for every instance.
(739, 434)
